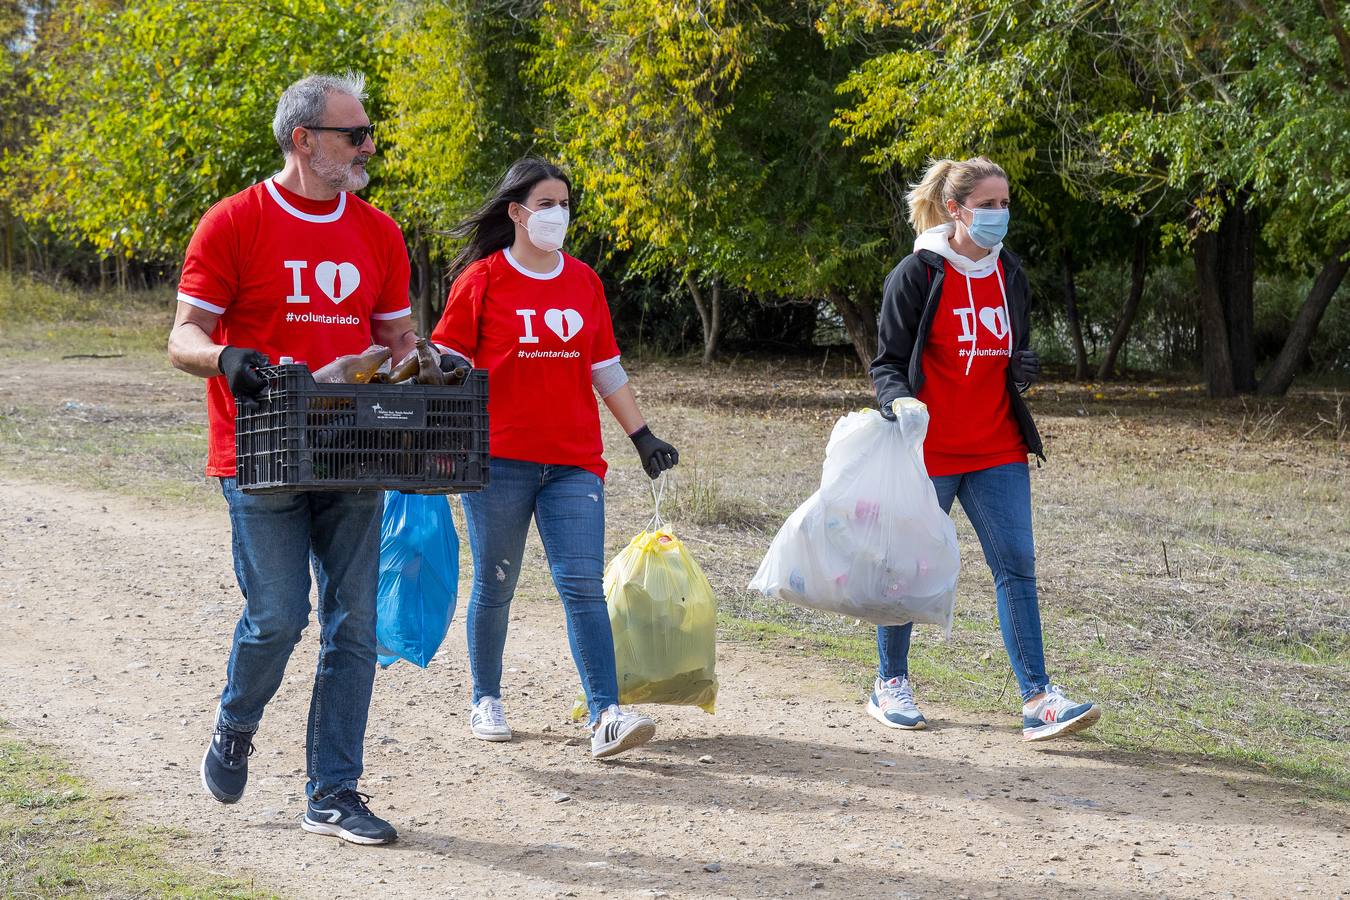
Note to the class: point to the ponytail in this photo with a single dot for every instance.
(926, 207)
(943, 180)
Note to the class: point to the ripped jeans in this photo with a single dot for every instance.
(568, 506)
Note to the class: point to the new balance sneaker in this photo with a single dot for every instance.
(892, 704)
(1053, 714)
(618, 731)
(345, 815)
(487, 720)
(225, 763)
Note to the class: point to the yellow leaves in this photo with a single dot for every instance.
(159, 107)
(649, 84)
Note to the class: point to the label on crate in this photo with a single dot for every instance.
(391, 412)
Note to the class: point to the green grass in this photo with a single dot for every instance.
(1202, 718)
(59, 838)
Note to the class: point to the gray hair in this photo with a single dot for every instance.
(304, 102)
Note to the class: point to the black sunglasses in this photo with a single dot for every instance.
(357, 134)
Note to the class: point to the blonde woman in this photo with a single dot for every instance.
(953, 346)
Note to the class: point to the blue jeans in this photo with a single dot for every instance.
(998, 503)
(276, 537)
(568, 506)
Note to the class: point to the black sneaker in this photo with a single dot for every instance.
(346, 815)
(225, 765)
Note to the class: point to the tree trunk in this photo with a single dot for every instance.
(1071, 309)
(860, 323)
(1213, 326)
(1138, 273)
(1237, 274)
(713, 335)
(1304, 327)
(1225, 261)
(709, 314)
(423, 286)
(9, 242)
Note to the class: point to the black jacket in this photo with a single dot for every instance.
(909, 300)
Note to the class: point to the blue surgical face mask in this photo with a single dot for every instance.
(988, 227)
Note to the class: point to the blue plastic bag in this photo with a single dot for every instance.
(419, 577)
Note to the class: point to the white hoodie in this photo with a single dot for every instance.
(937, 239)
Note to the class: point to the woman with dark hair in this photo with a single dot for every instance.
(954, 356)
(538, 321)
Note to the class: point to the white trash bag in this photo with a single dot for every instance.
(872, 543)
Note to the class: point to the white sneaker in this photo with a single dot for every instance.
(892, 704)
(487, 720)
(618, 731)
(1054, 714)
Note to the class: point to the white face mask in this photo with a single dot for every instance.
(547, 227)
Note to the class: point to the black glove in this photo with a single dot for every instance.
(656, 454)
(1025, 367)
(886, 412)
(240, 365)
(452, 361)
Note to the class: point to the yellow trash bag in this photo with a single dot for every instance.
(664, 618)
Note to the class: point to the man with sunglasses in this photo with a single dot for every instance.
(297, 266)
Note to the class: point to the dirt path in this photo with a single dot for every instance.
(115, 616)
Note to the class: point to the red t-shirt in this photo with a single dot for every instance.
(292, 277)
(539, 336)
(965, 366)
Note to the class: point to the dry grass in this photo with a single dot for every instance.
(1193, 554)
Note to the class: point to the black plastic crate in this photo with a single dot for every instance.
(303, 436)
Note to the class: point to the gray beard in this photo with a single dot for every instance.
(337, 175)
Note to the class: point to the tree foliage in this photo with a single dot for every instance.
(755, 153)
(641, 90)
(702, 136)
(457, 110)
(1203, 111)
(159, 108)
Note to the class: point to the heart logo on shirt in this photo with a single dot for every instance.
(565, 323)
(993, 318)
(337, 280)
